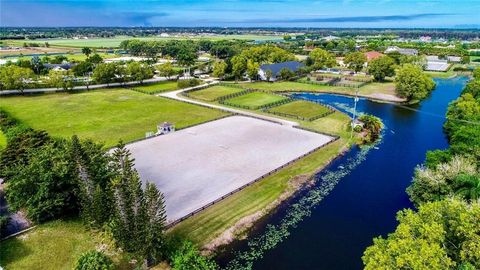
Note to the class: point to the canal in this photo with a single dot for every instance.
(356, 198)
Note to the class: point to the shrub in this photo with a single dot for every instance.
(188, 83)
(94, 260)
(188, 257)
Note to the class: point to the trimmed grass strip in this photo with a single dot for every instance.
(214, 93)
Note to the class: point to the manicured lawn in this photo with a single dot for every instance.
(378, 87)
(255, 99)
(158, 87)
(367, 90)
(291, 86)
(213, 221)
(104, 115)
(301, 108)
(214, 92)
(3, 140)
(54, 245)
(435, 74)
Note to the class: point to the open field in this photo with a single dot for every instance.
(214, 92)
(115, 42)
(255, 99)
(104, 115)
(158, 87)
(300, 108)
(53, 245)
(198, 165)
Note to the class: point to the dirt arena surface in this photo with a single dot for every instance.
(198, 165)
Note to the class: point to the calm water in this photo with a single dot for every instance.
(334, 232)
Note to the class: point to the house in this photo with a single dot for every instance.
(403, 51)
(373, 55)
(59, 67)
(454, 59)
(434, 63)
(276, 68)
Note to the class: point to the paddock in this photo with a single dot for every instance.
(198, 165)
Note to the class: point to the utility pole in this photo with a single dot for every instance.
(354, 114)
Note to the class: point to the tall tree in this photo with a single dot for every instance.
(239, 66)
(87, 51)
(137, 71)
(381, 67)
(166, 70)
(14, 77)
(442, 235)
(412, 84)
(252, 69)
(322, 58)
(219, 68)
(355, 60)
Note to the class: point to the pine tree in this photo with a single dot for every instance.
(140, 216)
(157, 217)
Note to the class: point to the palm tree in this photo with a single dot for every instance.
(468, 186)
(87, 51)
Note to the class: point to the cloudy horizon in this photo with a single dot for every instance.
(241, 13)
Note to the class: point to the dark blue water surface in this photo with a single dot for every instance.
(364, 202)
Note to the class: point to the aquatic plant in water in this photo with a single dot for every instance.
(275, 234)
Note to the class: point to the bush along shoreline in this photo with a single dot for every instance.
(444, 231)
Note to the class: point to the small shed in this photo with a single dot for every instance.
(165, 128)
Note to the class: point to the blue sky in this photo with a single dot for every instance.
(245, 13)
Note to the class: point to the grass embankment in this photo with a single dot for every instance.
(3, 140)
(53, 245)
(104, 115)
(155, 88)
(214, 92)
(300, 108)
(255, 99)
(387, 88)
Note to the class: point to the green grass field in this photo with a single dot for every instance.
(367, 90)
(290, 86)
(54, 245)
(255, 99)
(3, 140)
(158, 87)
(115, 41)
(104, 115)
(214, 92)
(301, 108)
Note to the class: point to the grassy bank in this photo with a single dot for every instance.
(370, 89)
(104, 115)
(54, 245)
(3, 140)
(155, 88)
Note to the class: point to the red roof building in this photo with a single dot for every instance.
(373, 55)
